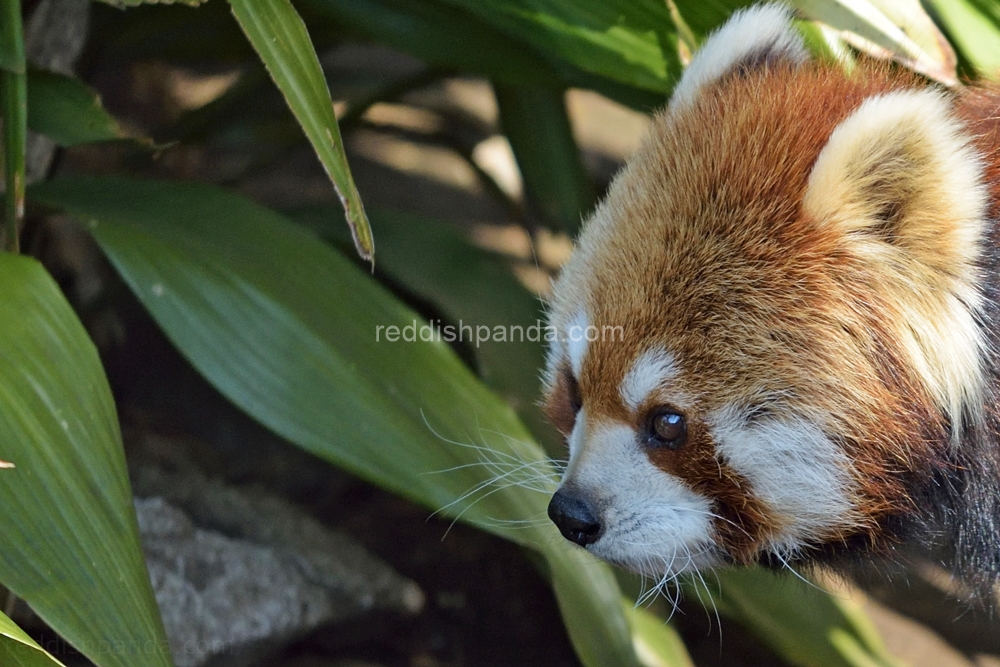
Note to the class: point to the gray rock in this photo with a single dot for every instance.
(240, 574)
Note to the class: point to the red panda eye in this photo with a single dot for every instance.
(667, 429)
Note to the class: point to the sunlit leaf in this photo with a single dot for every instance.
(296, 335)
(632, 41)
(439, 265)
(70, 545)
(899, 29)
(447, 36)
(280, 38)
(974, 27)
(804, 624)
(19, 650)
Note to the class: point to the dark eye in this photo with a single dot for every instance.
(667, 428)
(564, 402)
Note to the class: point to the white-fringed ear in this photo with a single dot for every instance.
(900, 184)
(750, 38)
(900, 170)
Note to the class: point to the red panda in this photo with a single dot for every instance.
(801, 265)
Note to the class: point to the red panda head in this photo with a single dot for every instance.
(768, 332)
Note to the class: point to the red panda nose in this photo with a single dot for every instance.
(575, 518)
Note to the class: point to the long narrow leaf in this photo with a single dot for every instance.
(903, 30)
(70, 544)
(448, 36)
(974, 27)
(471, 286)
(296, 336)
(803, 624)
(13, 101)
(536, 123)
(68, 112)
(19, 650)
(632, 41)
(280, 38)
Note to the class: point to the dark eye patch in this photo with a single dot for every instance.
(564, 402)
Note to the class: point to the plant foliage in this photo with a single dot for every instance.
(284, 324)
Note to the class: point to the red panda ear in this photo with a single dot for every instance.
(900, 171)
(751, 38)
(901, 188)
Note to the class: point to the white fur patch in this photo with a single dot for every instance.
(653, 523)
(577, 436)
(650, 371)
(907, 146)
(749, 33)
(576, 341)
(800, 474)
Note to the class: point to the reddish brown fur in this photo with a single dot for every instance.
(979, 109)
(745, 286)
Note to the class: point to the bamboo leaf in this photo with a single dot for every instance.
(974, 27)
(19, 650)
(900, 30)
(631, 41)
(13, 101)
(70, 545)
(69, 112)
(279, 36)
(296, 336)
(535, 121)
(445, 35)
(802, 623)
(468, 285)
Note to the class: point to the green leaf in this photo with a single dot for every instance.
(535, 121)
(436, 263)
(656, 643)
(974, 28)
(440, 35)
(280, 38)
(802, 623)
(295, 335)
(13, 102)
(19, 650)
(68, 112)
(11, 37)
(452, 37)
(631, 41)
(903, 30)
(70, 545)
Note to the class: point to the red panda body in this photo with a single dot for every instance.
(804, 268)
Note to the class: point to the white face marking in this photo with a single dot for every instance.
(794, 468)
(653, 523)
(576, 341)
(576, 438)
(650, 371)
(750, 33)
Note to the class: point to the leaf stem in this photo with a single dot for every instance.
(14, 97)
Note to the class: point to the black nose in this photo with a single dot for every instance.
(575, 518)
